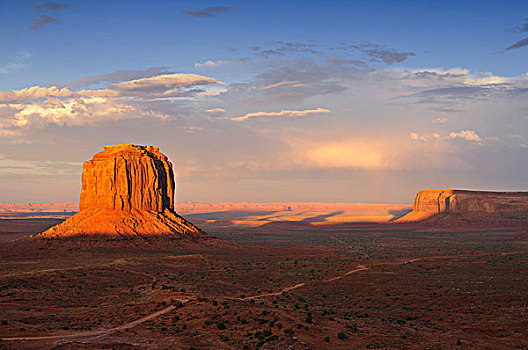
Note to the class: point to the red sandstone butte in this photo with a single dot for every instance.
(127, 190)
(469, 208)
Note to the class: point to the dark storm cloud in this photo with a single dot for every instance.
(287, 86)
(340, 61)
(349, 54)
(285, 48)
(208, 12)
(42, 21)
(457, 94)
(522, 29)
(518, 44)
(388, 56)
(522, 42)
(114, 77)
(380, 53)
(425, 74)
(517, 92)
(49, 6)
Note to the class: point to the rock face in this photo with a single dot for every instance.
(126, 177)
(470, 207)
(127, 190)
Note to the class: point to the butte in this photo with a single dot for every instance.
(446, 208)
(127, 190)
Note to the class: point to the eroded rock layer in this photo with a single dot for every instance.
(470, 206)
(126, 190)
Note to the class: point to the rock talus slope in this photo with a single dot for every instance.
(468, 207)
(127, 190)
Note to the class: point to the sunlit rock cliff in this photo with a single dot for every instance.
(468, 207)
(127, 190)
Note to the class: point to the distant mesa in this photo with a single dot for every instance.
(127, 190)
(469, 208)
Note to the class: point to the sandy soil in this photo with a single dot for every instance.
(249, 214)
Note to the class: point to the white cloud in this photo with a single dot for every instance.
(215, 111)
(192, 129)
(440, 120)
(210, 64)
(30, 167)
(166, 82)
(283, 83)
(443, 72)
(11, 67)
(41, 106)
(8, 132)
(417, 137)
(212, 91)
(70, 111)
(165, 85)
(106, 93)
(468, 135)
(483, 79)
(355, 147)
(464, 77)
(33, 92)
(18, 62)
(283, 113)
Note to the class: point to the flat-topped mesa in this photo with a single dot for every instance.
(127, 190)
(469, 206)
(128, 177)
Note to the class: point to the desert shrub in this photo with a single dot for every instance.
(341, 335)
(262, 321)
(289, 331)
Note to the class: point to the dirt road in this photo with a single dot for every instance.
(102, 331)
(153, 315)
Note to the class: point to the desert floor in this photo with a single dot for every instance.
(304, 284)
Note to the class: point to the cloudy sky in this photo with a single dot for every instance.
(334, 101)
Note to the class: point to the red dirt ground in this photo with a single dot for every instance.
(275, 286)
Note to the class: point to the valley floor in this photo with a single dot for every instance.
(275, 286)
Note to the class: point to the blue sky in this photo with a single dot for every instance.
(95, 37)
(303, 98)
